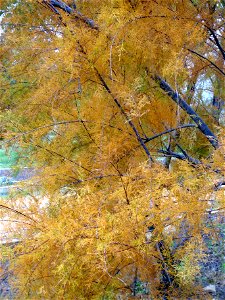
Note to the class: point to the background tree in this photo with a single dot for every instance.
(114, 104)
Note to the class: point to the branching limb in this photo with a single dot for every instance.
(63, 157)
(189, 158)
(139, 138)
(181, 156)
(219, 185)
(172, 154)
(54, 4)
(205, 58)
(61, 5)
(50, 6)
(217, 42)
(146, 140)
(202, 126)
(16, 212)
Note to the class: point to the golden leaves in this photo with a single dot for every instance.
(100, 208)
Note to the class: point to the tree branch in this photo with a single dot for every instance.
(202, 126)
(17, 212)
(54, 4)
(140, 140)
(172, 154)
(180, 156)
(216, 41)
(189, 158)
(62, 6)
(146, 140)
(219, 185)
(205, 58)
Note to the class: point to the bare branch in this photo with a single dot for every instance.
(61, 5)
(216, 41)
(205, 58)
(54, 4)
(146, 140)
(168, 153)
(17, 212)
(202, 126)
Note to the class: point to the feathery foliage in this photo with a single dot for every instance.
(126, 177)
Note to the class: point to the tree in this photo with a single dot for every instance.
(109, 102)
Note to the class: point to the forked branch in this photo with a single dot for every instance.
(202, 126)
(54, 5)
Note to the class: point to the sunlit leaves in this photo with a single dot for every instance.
(96, 211)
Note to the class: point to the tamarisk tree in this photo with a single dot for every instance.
(118, 106)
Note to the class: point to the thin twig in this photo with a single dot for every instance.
(146, 140)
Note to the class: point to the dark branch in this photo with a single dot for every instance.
(217, 41)
(146, 140)
(61, 5)
(17, 212)
(180, 156)
(50, 6)
(86, 20)
(205, 58)
(188, 157)
(172, 154)
(202, 126)
(54, 4)
(140, 140)
(219, 185)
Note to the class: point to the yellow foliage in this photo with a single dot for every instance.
(103, 210)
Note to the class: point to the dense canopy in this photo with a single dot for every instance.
(118, 106)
